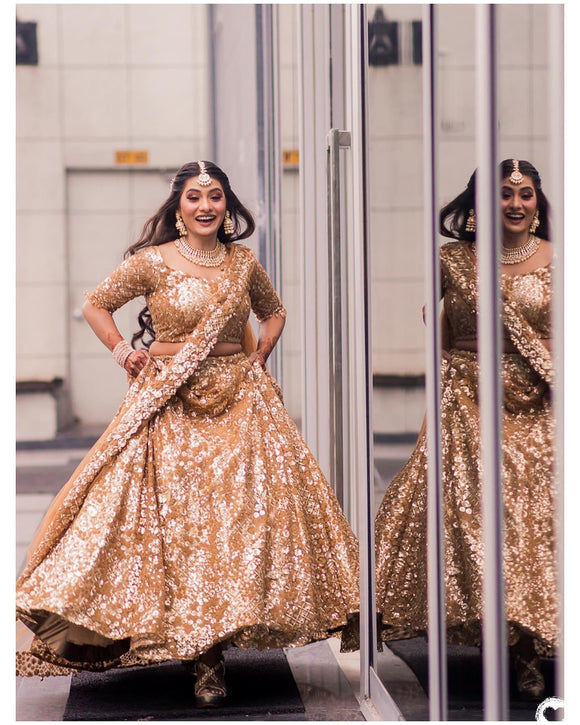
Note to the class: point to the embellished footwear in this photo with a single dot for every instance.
(530, 682)
(210, 686)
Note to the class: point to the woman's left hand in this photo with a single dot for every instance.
(270, 331)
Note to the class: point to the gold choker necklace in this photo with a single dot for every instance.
(203, 257)
(520, 254)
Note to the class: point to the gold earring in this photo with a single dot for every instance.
(228, 225)
(535, 222)
(181, 228)
(470, 223)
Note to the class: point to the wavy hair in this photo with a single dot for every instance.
(160, 228)
(453, 216)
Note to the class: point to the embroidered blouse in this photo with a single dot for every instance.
(177, 299)
(531, 292)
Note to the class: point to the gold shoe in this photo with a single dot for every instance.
(530, 682)
(210, 686)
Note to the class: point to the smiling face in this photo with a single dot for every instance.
(518, 206)
(203, 209)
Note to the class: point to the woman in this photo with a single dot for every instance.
(200, 518)
(528, 481)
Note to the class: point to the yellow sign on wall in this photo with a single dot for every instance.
(131, 157)
(290, 158)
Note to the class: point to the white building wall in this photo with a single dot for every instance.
(110, 77)
(115, 77)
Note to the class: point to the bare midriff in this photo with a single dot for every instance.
(172, 348)
(508, 346)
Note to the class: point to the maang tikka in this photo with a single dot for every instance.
(516, 177)
(204, 178)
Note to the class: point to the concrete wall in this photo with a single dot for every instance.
(109, 77)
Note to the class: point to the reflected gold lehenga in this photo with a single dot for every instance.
(200, 516)
(531, 591)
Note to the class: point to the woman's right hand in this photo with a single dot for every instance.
(136, 361)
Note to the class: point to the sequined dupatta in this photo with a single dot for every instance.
(146, 396)
(461, 267)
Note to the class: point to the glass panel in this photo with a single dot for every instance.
(397, 206)
(395, 131)
(529, 107)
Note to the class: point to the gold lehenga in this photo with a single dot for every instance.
(531, 591)
(200, 516)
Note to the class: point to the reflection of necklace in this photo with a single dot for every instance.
(520, 254)
(205, 258)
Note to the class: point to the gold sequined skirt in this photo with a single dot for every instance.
(531, 589)
(214, 524)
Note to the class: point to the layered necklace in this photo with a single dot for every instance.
(520, 254)
(203, 257)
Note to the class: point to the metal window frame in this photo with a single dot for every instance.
(376, 701)
(556, 45)
(437, 642)
(314, 122)
(495, 666)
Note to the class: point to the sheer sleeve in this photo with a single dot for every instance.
(133, 278)
(263, 296)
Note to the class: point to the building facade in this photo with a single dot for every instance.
(121, 95)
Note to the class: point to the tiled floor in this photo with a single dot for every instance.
(325, 689)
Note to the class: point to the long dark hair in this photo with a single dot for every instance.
(160, 228)
(453, 216)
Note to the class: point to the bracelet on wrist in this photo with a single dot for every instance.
(121, 352)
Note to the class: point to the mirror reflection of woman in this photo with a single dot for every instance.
(200, 519)
(531, 593)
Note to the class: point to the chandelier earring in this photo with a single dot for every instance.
(179, 224)
(470, 223)
(535, 222)
(228, 225)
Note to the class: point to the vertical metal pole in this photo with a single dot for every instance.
(490, 384)
(375, 699)
(435, 523)
(314, 105)
(269, 171)
(335, 141)
(212, 78)
(360, 348)
(556, 194)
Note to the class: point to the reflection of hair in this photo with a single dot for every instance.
(160, 228)
(453, 216)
